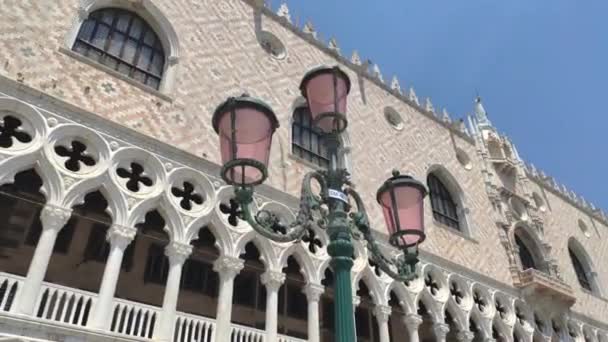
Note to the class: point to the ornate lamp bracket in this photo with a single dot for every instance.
(264, 221)
(402, 267)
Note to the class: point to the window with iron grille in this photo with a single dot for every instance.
(306, 141)
(579, 269)
(444, 207)
(124, 42)
(525, 256)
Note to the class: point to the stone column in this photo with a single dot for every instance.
(119, 238)
(465, 336)
(227, 268)
(440, 330)
(412, 322)
(356, 302)
(383, 313)
(53, 219)
(273, 281)
(313, 294)
(177, 253)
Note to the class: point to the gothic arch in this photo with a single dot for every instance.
(533, 243)
(458, 315)
(372, 286)
(148, 11)
(264, 246)
(431, 305)
(173, 223)
(222, 238)
(405, 297)
(368, 276)
(457, 194)
(117, 206)
(300, 253)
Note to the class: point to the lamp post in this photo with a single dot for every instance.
(245, 126)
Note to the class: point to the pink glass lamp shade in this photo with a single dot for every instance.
(402, 201)
(326, 90)
(245, 126)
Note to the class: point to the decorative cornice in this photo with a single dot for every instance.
(54, 218)
(308, 37)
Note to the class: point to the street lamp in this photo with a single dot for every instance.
(246, 125)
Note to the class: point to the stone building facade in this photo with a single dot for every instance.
(117, 227)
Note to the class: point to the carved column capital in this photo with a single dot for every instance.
(54, 218)
(120, 236)
(227, 266)
(356, 300)
(273, 280)
(313, 291)
(412, 321)
(465, 336)
(178, 252)
(382, 313)
(441, 330)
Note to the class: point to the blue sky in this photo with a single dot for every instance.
(540, 66)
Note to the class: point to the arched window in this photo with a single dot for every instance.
(580, 270)
(444, 207)
(525, 256)
(306, 141)
(249, 298)
(365, 321)
(124, 42)
(293, 304)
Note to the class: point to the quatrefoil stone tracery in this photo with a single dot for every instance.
(75, 156)
(456, 293)
(431, 284)
(232, 211)
(312, 241)
(135, 177)
(187, 195)
(12, 132)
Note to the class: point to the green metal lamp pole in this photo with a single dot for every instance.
(245, 126)
(340, 249)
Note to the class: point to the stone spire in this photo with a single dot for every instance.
(412, 96)
(377, 73)
(480, 113)
(355, 59)
(446, 116)
(395, 85)
(428, 106)
(283, 12)
(309, 29)
(333, 45)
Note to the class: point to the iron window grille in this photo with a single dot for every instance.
(444, 208)
(579, 269)
(124, 42)
(306, 140)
